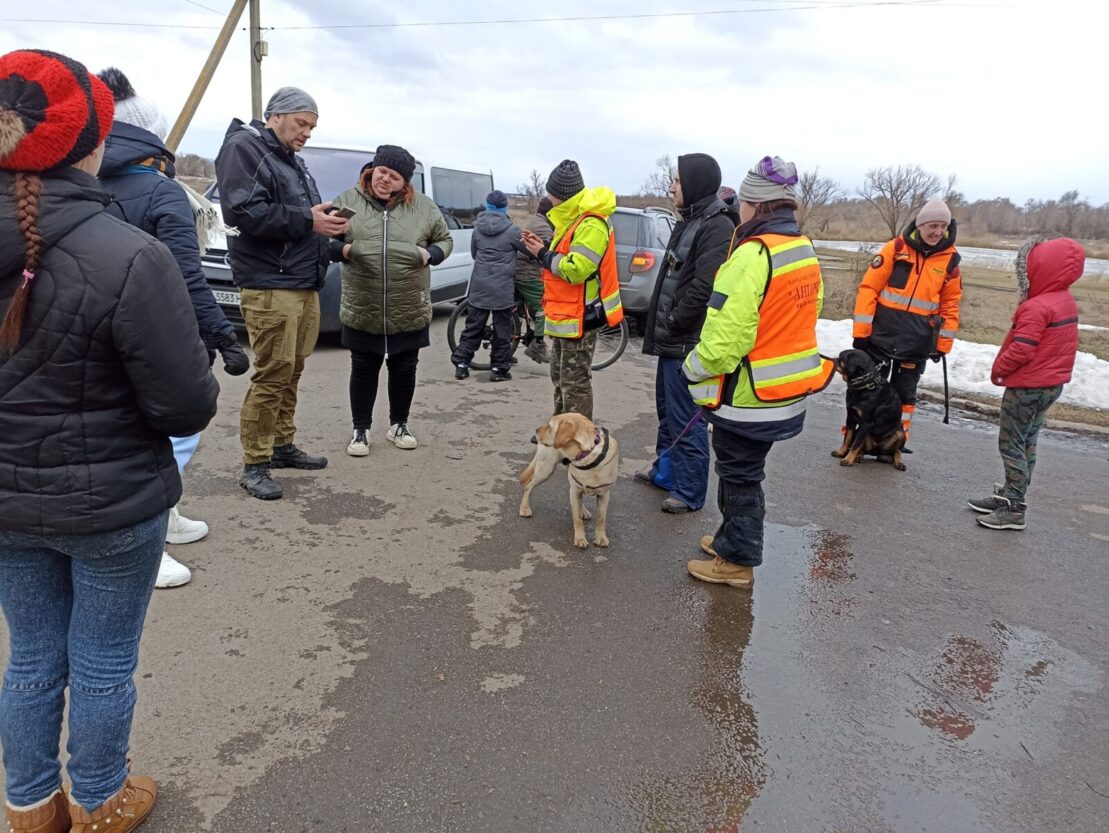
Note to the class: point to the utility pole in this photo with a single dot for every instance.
(258, 50)
(205, 78)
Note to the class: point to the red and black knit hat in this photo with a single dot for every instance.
(53, 112)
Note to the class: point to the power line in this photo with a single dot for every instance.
(800, 5)
(206, 8)
(795, 5)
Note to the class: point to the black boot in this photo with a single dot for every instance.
(258, 483)
(291, 457)
(500, 374)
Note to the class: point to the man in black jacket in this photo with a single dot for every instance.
(278, 259)
(697, 248)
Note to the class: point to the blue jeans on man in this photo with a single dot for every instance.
(681, 464)
(75, 606)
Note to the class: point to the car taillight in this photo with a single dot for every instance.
(642, 262)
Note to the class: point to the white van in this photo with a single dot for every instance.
(459, 191)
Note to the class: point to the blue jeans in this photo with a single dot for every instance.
(684, 469)
(75, 606)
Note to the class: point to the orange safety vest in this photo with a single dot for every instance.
(564, 302)
(785, 364)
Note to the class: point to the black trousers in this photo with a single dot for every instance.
(500, 350)
(365, 368)
(741, 466)
(903, 378)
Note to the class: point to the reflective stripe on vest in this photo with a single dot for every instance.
(731, 413)
(564, 302)
(786, 364)
(914, 304)
(708, 392)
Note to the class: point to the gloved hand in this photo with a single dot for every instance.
(861, 344)
(235, 360)
(936, 356)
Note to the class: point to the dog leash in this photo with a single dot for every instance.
(693, 421)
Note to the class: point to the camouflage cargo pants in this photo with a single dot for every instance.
(1023, 411)
(572, 374)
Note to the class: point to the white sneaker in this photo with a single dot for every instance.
(183, 531)
(172, 573)
(399, 435)
(359, 443)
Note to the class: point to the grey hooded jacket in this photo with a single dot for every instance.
(494, 245)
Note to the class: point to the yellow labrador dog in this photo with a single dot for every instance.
(593, 461)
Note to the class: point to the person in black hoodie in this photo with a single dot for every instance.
(101, 363)
(279, 260)
(138, 173)
(697, 248)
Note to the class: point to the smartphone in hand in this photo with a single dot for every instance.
(343, 213)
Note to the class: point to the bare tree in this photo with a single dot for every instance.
(533, 189)
(658, 183)
(951, 195)
(1070, 209)
(814, 192)
(898, 193)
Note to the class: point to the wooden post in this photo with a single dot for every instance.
(205, 78)
(258, 51)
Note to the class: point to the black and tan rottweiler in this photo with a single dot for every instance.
(873, 412)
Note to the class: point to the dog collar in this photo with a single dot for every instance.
(868, 381)
(600, 436)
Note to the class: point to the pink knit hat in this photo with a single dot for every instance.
(934, 211)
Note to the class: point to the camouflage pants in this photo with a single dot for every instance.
(572, 374)
(1023, 411)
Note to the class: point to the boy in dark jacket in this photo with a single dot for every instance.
(494, 246)
(1034, 362)
(697, 248)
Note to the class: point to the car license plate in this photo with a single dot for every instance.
(224, 297)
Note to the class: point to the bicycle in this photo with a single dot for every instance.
(611, 341)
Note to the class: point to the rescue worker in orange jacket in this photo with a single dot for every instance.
(907, 306)
(756, 361)
(581, 288)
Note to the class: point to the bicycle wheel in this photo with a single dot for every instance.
(611, 342)
(481, 359)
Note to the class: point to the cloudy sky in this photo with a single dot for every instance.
(1007, 94)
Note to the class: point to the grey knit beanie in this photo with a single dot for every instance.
(771, 179)
(290, 100)
(565, 180)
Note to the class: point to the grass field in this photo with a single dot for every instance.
(989, 299)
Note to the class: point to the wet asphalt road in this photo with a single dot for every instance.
(390, 648)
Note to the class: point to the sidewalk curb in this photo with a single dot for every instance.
(990, 410)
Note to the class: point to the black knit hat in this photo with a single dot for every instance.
(397, 159)
(497, 199)
(565, 180)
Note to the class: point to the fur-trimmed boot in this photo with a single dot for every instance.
(49, 816)
(124, 811)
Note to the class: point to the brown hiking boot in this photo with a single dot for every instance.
(719, 571)
(124, 811)
(51, 817)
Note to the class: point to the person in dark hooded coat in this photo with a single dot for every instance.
(494, 245)
(138, 173)
(697, 248)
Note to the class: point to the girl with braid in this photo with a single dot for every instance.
(101, 362)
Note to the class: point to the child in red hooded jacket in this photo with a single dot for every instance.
(1034, 362)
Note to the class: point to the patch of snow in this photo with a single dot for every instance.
(969, 364)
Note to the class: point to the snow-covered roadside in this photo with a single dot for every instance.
(968, 368)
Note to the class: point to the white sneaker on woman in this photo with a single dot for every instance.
(172, 573)
(183, 531)
(359, 443)
(399, 435)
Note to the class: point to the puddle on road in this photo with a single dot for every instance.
(807, 738)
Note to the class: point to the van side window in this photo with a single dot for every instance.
(460, 193)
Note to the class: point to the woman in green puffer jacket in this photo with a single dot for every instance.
(393, 240)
